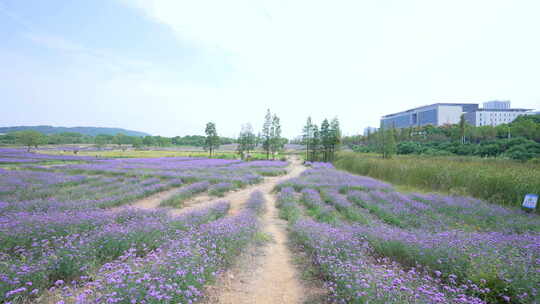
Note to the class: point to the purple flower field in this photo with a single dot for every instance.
(61, 241)
(74, 192)
(12, 155)
(384, 246)
(176, 271)
(109, 183)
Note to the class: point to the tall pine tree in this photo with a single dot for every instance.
(276, 142)
(335, 138)
(315, 143)
(307, 136)
(212, 139)
(326, 139)
(267, 133)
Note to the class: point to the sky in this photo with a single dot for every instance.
(167, 67)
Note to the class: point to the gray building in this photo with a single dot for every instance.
(497, 105)
(493, 117)
(437, 114)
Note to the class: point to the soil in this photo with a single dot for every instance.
(264, 274)
(153, 201)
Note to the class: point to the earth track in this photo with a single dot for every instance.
(267, 275)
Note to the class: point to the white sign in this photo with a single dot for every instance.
(530, 201)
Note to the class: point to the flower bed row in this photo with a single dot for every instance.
(177, 271)
(52, 249)
(432, 234)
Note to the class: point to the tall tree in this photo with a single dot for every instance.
(212, 139)
(326, 139)
(267, 133)
(29, 138)
(388, 142)
(307, 135)
(335, 137)
(276, 142)
(122, 140)
(148, 140)
(462, 125)
(247, 140)
(101, 140)
(315, 143)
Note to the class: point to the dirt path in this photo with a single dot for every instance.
(236, 197)
(153, 201)
(268, 275)
(239, 197)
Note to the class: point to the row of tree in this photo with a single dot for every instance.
(527, 126)
(518, 140)
(32, 138)
(321, 143)
(270, 137)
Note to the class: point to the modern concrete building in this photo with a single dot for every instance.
(497, 105)
(493, 117)
(437, 114)
(492, 114)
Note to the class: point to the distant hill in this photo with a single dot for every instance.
(92, 131)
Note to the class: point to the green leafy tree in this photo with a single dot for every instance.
(462, 128)
(526, 127)
(390, 148)
(335, 137)
(247, 140)
(101, 140)
(276, 141)
(30, 138)
(326, 139)
(8, 139)
(315, 143)
(137, 142)
(267, 133)
(307, 136)
(148, 141)
(386, 142)
(162, 141)
(122, 141)
(212, 139)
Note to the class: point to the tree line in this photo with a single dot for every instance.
(321, 143)
(269, 138)
(519, 140)
(34, 138)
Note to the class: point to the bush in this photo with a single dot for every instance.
(410, 147)
(523, 151)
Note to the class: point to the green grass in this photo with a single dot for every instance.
(156, 153)
(290, 212)
(498, 181)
